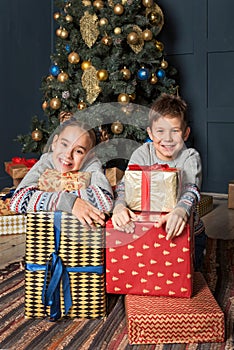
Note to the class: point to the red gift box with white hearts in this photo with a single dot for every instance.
(145, 263)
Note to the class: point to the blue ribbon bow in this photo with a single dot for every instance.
(58, 275)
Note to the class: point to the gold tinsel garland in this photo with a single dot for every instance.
(89, 28)
(90, 83)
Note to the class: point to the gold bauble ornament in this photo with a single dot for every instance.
(64, 34)
(55, 103)
(73, 57)
(164, 64)
(102, 74)
(123, 98)
(126, 73)
(155, 17)
(132, 96)
(147, 35)
(62, 77)
(118, 9)
(37, 135)
(148, 3)
(58, 31)
(107, 40)
(99, 4)
(153, 79)
(117, 128)
(85, 65)
(103, 21)
(69, 18)
(81, 105)
(117, 30)
(44, 105)
(50, 78)
(159, 45)
(56, 15)
(132, 38)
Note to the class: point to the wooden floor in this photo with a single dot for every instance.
(219, 224)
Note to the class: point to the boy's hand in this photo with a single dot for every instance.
(175, 222)
(123, 218)
(87, 214)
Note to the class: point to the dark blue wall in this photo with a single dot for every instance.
(25, 44)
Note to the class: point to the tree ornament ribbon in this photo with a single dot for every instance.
(90, 83)
(89, 28)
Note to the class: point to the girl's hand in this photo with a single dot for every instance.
(123, 218)
(175, 222)
(87, 214)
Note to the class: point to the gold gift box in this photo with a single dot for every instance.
(52, 180)
(12, 224)
(205, 205)
(80, 248)
(114, 175)
(158, 194)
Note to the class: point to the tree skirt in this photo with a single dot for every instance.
(19, 333)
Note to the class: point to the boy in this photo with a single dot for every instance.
(168, 130)
(70, 150)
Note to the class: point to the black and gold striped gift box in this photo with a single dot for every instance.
(82, 254)
(205, 205)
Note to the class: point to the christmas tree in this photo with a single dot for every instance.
(107, 56)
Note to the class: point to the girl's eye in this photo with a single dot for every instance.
(79, 151)
(175, 131)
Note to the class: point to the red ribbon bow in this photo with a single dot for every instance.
(27, 162)
(156, 166)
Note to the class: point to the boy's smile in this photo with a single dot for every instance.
(70, 149)
(168, 137)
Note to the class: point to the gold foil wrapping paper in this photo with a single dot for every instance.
(160, 194)
(52, 180)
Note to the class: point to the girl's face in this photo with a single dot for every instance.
(70, 148)
(168, 137)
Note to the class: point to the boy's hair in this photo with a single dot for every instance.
(170, 105)
(71, 122)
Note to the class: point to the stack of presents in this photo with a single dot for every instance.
(70, 269)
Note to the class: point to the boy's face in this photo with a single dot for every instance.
(168, 137)
(70, 149)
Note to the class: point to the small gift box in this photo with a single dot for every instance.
(18, 168)
(64, 273)
(154, 320)
(5, 198)
(114, 175)
(12, 224)
(231, 195)
(205, 205)
(151, 188)
(52, 180)
(145, 263)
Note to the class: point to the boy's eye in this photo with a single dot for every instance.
(64, 143)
